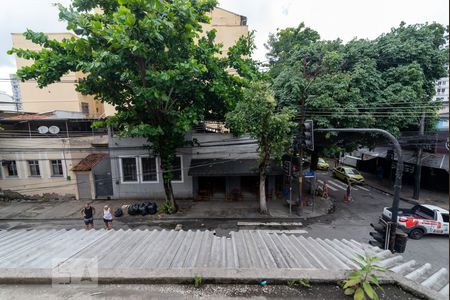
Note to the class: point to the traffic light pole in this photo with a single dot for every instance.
(300, 164)
(398, 173)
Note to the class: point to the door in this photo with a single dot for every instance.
(103, 185)
(84, 186)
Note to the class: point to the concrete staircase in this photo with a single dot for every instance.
(170, 250)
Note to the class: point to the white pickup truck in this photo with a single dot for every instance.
(420, 220)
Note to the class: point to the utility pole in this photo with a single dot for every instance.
(300, 167)
(418, 170)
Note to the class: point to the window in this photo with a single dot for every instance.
(11, 168)
(84, 107)
(438, 90)
(177, 173)
(57, 169)
(34, 168)
(445, 218)
(129, 169)
(439, 83)
(443, 90)
(149, 172)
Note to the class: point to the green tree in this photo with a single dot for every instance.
(149, 59)
(284, 41)
(256, 115)
(384, 83)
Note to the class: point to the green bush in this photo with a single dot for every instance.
(359, 282)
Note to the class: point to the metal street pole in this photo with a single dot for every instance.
(398, 173)
(418, 170)
(300, 164)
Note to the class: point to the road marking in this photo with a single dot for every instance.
(329, 186)
(343, 186)
(336, 184)
(363, 188)
(244, 223)
(293, 231)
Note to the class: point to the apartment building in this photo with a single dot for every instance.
(63, 96)
(39, 151)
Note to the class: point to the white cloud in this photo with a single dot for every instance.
(343, 19)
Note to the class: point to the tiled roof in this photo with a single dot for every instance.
(90, 161)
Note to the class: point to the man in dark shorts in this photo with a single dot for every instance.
(88, 213)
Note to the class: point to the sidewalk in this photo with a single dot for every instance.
(212, 210)
(440, 199)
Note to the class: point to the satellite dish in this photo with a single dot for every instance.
(43, 129)
(54, 129)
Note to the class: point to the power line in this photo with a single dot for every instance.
(140, 175)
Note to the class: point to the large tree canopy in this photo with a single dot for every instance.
(384, 83)
(150, 60)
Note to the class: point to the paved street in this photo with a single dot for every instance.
(350, 221)
(353, 221)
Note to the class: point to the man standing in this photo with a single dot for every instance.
(88, 215)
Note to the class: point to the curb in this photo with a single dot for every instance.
(415, 202)
(210, 275)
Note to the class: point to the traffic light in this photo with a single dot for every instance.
(388, 238)
(381, 235)
(307, 139)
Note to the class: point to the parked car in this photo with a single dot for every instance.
(321, 164)
(348, 174)
(420, 220)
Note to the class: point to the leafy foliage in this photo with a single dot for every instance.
(167, 207)
(360, 282)
(151, 61)
(304, 282)
(382, 83)
(256, 115)
(197, 281)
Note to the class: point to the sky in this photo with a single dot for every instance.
(344, 19)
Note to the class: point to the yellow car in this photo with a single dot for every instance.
(321, 164)
(348, 174)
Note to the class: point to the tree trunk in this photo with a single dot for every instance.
(167, 167)
(262, 193)
(262, 179)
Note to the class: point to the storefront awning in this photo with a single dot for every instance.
(229, 167)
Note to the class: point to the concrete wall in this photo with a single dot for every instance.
(44, 150)
(224, 146)
(57, 96)
(62, 96)
(228, 26)
(132, 147)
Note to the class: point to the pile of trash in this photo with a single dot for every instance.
(144, 208)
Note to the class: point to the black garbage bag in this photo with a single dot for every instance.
(142, 209)
(133, 209)
(151, 208)
(118, 212)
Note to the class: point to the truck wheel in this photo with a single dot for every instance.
(416, 234)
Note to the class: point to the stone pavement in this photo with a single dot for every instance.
(437, 198)
(214, 209)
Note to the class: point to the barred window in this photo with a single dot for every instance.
(34, 168)
(129, 169)
(57, 169)
(149, 169)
